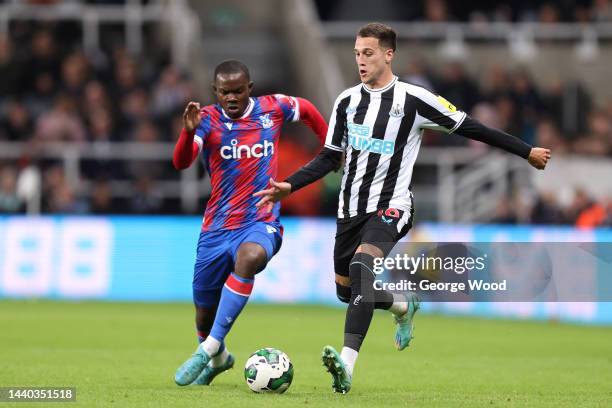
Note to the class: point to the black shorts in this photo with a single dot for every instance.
(382, 229)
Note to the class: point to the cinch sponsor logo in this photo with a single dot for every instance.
(359, 138)
(236, 151)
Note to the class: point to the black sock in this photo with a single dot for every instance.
(384, 299)
(361, 306)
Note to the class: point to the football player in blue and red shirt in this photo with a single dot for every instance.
(237, 140)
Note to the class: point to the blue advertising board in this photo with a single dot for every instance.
(151, 259)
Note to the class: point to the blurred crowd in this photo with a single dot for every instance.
(583, 211)
(510, 100)
(51, 91)
(472, 11)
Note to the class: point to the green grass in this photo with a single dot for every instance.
(125, 355)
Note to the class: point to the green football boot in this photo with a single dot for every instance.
(336, 367)
(209, 373)
(190, 369)
(405, 326)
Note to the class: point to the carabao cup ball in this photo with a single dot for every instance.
(268, 370)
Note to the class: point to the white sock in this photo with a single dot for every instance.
(349, 356)
(398, 308)
(210, 345)
(219, 359)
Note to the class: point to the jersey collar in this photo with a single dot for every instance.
(246, 113)
(384, 88)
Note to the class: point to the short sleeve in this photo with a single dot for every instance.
(437, 113)
(336, 132)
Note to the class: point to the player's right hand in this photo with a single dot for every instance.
(539, 157)
(275, 193)
(191, 116)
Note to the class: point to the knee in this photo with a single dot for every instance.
(361, 267)
(361, 272)
(343, 293)
(250, 261)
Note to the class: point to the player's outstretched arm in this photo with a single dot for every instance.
(312, 118)
(327, 160)
(276, 192)
(186, 149)
(536, 156)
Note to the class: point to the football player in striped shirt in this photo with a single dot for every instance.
(376, 126)
(237, 141)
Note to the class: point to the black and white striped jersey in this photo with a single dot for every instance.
(380, 132)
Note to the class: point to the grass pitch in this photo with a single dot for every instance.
(125, 355)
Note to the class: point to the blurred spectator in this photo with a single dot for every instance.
(547, 135)
(504, 213)
(147, 198)
(59, 196)
(102, 201)
(508, 115)
(592, 216)
(546, 209)
(126, 74)
(549, 13)
(43, 59)
(63, 200)
(456, 86)
(9, 201)
(598, 141)
(580, 203)
(171, 93)
(134, 109)
(485, 113)
(608, 221)
(96, 97)
(556, 99)
(102, 133)
(61, 124)
(528, 103)
(75, 72)
(145, 132)
(101, 127)
(40, 100)
(436, 11)
(10, 71)
(602, 11)
(16, 125)
(416, 73)
(496, 82)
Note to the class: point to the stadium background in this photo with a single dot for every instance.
(91, 96)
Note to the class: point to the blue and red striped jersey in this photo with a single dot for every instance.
(240, 156)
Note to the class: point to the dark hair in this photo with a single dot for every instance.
(232, 67)
(386, 35)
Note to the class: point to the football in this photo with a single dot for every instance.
(268, 370)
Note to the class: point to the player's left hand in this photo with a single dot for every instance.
(191, 116)
(276, 192)
(539, 157)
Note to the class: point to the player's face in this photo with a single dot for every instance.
(232, 92)
(372, 59)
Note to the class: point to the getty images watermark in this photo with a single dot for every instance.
(498, 271)
(418, 264)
